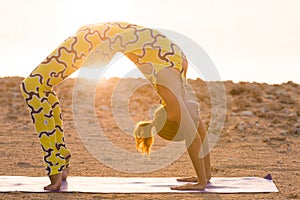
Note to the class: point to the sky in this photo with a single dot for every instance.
(248, 40)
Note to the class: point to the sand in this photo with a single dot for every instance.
(261, 135)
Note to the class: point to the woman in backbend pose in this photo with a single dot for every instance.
(159, 59)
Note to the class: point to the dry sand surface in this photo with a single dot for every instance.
(261, 135)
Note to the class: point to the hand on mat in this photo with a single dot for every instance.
(189, 186)
(188, 179)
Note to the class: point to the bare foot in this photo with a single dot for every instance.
(65, 173)
(56, 181)
(189, 186)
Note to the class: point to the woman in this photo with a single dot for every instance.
(159, 59)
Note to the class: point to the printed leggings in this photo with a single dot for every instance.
(37, 90)
(92, 43)
(46, 116)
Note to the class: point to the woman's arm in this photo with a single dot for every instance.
(193, 142)
(171, 90)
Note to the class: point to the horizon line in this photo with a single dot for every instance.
(136, 78)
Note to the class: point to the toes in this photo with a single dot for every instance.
(47, 187)
(52, 188)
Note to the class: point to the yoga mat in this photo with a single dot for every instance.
(136, 185)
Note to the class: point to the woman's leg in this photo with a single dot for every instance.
(44, 105)
(41, 111)
(60, 141)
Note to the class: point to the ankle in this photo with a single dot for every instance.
(65, 173)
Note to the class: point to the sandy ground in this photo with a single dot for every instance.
(261, 135)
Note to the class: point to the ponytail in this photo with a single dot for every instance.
(168, 130)
(143, 137)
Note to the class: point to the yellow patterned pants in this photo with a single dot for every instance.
(43, 103)
(89, 45)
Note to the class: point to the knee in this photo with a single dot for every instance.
(30, 86)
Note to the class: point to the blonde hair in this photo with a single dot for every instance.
(143, 137)
(168, 130)
(143, 131)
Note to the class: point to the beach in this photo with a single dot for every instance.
(261, 135)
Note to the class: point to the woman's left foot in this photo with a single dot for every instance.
(66, 170)
(65, 173)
